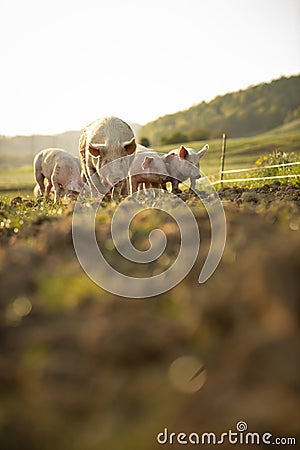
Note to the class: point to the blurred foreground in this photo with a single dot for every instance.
(81, 369)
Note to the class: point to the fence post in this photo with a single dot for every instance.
(224, 137)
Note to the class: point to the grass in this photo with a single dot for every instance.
(18, 178)
(17, 213)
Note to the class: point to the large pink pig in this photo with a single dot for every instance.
(102, 146)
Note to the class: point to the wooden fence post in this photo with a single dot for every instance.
(224, 137)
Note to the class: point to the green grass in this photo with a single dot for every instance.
(17, 178)
(17, 213)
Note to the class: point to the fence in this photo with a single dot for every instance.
(241, 180)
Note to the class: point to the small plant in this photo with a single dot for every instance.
(277, 157)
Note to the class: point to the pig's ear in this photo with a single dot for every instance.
(147, 162)
(203, 151)
(170, 156)
(97, 149)
(130, 146)
(183, 152)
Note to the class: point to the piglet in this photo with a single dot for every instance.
(61, 170)
(148, 168)
(183, 163)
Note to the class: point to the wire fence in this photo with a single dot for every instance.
(240, 180)
(273, 177)
(263, 167)
(252, 169)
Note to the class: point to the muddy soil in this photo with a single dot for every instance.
(82, 369)
(265, 194)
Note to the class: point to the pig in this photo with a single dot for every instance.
(61, 170)
(102, 142)
(183, 163)
(148, 168)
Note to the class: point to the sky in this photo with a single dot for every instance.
(65, 63)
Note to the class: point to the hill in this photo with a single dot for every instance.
(18, 151)
(21, 149)
(248, 112)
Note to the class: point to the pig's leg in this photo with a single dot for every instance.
(129, 185)
(98, 187)
(117, 191)
(94, 182)
(37, 191)
(175, 187)
(48, 188)
(56, 175)
(93, 190)
(164, 186)
(41, 181)
(56, 185)
(193, 189)
(38, 174)
(86, 176)
(125, 188)
(134, 184)
(155, 186)
(56, 191)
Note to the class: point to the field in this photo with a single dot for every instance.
(84, 369)
(16, 172)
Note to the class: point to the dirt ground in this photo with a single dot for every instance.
(265, 194)
(82, 369)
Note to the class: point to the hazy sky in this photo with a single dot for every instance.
(65, 63)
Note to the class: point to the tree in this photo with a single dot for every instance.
(175, 138)
(144, 141)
